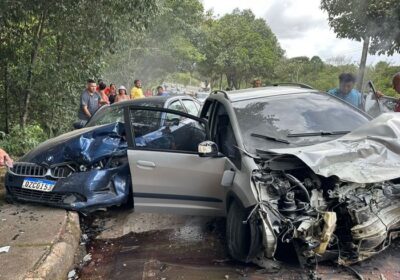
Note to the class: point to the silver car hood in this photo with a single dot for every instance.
(368, 154)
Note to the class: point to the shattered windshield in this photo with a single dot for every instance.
(281, 116)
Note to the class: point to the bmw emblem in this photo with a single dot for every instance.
(50, 158)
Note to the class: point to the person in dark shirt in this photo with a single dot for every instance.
(90, 101)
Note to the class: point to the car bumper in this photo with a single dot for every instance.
(81, 191)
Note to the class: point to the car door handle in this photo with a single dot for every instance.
(145, 164)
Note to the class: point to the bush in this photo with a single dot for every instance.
(20, 141)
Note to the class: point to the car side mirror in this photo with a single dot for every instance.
(78, 124)
(208, 149)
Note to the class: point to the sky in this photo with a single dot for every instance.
(301, 28)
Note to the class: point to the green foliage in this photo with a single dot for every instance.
(49, 48)
(359, 19)
(19, 141)
(324, 76)
(240, 46)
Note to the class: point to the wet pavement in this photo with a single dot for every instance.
(184, 247)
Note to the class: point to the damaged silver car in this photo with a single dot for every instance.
(290, 167)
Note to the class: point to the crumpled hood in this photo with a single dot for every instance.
(368, 154)
(86, 145)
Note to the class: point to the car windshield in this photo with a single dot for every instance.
(106, 115)
(294, 120)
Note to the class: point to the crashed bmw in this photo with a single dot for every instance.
(85, 169)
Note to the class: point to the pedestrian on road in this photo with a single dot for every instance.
(90, 102)
(136, 91)
(5, 159)
(122, 96)
(347, 92)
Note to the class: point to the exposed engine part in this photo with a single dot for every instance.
(346, 221)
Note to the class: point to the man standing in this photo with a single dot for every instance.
(346, 90)
(396, 87)
(136, 91)
(90, 101)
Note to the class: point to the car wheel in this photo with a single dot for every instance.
(238, 235)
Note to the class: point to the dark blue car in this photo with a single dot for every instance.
(87, 169)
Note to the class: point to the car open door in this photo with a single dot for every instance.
(168, 175)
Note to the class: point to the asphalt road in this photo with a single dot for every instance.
(127, 245)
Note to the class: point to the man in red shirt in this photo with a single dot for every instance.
(396, 86)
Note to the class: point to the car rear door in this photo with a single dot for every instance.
(168, 175)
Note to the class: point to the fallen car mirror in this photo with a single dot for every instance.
(208, 149)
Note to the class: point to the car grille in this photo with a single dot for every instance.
(28, 169)
(61, 171)
(38, 195)
(35, 170)
(49, 197)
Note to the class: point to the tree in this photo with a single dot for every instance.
(240, 47)
(49, 48)
(169, 45)
(375, 22)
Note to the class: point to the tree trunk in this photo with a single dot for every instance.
(363, 62)
(38, 35)
(6, 117)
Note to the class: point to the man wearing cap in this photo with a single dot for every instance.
(136, 91)
(121, 96)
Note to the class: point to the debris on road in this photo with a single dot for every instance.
(4, 249)
(87, 258)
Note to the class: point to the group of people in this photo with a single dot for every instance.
(96, 95)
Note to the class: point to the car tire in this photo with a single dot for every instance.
(238, 235)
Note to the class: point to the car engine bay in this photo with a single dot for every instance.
(323, 218)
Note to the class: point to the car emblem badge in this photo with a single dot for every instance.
(50, 159)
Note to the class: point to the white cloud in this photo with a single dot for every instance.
(301, 27)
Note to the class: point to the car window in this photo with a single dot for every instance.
(152, 131)
(207, 110)
(191, 107)
(279, 117)
(176, 105)
(224, 136)
(107, 115)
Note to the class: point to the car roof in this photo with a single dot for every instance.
(252, 93)
(157, 100)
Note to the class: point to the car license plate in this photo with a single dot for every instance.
(38, 184)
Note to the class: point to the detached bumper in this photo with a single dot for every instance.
(81, 191)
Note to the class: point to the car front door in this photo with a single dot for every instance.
(168, 175)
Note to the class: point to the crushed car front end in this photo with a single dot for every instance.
(338, 200)
(82, 170)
